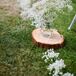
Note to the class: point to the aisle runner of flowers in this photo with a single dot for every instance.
(43, 12)
(56, 65)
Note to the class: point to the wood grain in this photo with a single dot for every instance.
(56, 41)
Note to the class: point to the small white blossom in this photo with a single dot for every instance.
(61, 73)
(68, 74)
(50, 54)
(57, 66)
(70, 7)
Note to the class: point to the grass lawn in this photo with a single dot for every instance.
(20, 57)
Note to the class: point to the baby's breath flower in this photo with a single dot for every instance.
(36, 9)
(68, 74)
(50, 54)
(57, 66)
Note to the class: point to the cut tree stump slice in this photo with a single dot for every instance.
(47, 38)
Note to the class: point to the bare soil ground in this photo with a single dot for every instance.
(9, 6)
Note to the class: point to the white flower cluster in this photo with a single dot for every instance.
(42, 11)
(50, 54)
(68, 74)
(55, 67)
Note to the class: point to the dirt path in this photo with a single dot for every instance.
(9, 6)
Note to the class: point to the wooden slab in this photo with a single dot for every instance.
(47, 38)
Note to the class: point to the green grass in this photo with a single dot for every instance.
(20, 57)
